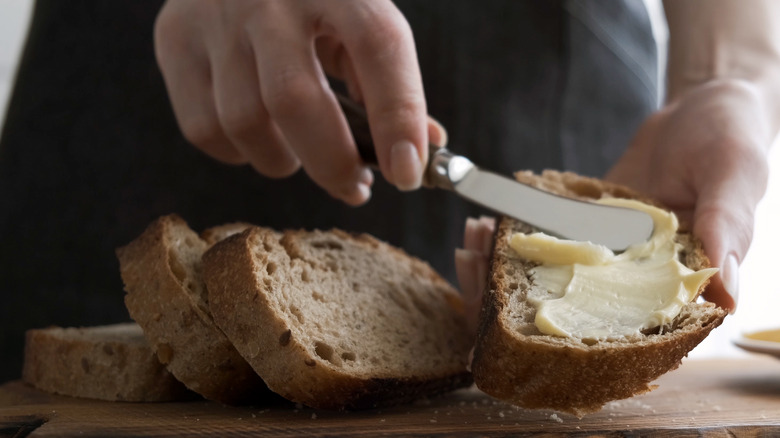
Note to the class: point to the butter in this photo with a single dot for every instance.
(588, 292)
(766, 335)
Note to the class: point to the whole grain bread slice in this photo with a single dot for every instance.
(221, 232)
(167, 297)
(111, 362)
(515, 362)
(334, 320)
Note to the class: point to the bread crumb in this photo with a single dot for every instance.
(556, 418)
(313, 416)
(432, 420)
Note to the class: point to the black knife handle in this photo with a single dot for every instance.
(358, 124)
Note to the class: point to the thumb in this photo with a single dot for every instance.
(723, 221)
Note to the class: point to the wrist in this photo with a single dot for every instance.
(722, 40)
(754, 103)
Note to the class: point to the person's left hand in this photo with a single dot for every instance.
(471, 266)
(704, 156)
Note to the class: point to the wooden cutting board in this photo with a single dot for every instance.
(735, 397)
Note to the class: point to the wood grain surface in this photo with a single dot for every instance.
(734, 397)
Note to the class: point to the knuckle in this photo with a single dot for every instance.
(240, 118)
(170, 32)
(401, 111)
(166, 25)
(384, 35)
(288, 92)
(402, 108)
(200, 130)
(164, 47)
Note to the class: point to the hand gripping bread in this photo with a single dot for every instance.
(515, 362)
(112, 362)
(334, 320)
(166, 296)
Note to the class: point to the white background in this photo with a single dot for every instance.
(759, 304)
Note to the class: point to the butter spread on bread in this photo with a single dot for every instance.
(588, 292)
(515, 362)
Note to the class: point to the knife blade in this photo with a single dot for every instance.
(617, 228)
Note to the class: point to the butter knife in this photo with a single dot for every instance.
(617, 228)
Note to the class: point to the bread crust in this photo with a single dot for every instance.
(537, 371)
(113, 363)
(242, 305)
(163, 299)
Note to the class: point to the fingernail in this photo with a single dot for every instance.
(364, 191)
(729, 275)
(366, 177)
(358, 195)
(471, 234)
(405, 166)
(472, 224)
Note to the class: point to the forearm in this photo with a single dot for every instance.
(726, 40)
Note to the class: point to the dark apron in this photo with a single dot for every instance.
(90, 152)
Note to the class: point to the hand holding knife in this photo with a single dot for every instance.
(614, 227)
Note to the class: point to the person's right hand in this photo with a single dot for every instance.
(247, 82)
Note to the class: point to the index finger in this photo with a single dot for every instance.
(296, 95)
(381, 46)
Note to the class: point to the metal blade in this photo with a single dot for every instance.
(614, 227)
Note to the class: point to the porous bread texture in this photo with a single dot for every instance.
(167, 297)
(516, 363)
(112, 362)
(334, 320)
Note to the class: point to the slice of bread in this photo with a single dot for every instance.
(112, 362)
(221, 232)
(167, 297)
(334, 320)
(513, 361)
